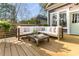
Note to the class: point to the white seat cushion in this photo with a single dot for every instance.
(42, 31)
(24, 33)
(52, 34)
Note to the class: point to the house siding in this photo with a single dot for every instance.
(74, 28)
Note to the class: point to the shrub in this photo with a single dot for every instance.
(5, 25)
(43, 25)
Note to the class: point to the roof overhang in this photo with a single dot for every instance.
(54, 6)
(48, 4)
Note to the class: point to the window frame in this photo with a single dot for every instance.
(62, 16)
(75, 17)
(54, 20)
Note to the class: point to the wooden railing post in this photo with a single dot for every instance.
(58, 33)
(18, 33)
(62, 32)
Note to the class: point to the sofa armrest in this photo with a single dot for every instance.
(59, 31)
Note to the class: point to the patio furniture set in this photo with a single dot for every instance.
(39, 33)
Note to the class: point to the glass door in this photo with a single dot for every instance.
(63, 20)
(74, 17)
(54, 19)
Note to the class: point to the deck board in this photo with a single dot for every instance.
(37, 49)
(32, 50)
(27, 51)
(2, 47)
(13, 50)
(20, 50)
(69, 46)
(7, 48)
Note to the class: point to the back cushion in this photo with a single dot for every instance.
(48, 29)
(43, 29)
(24, 30)
(36, 28)
(53, 29)
(59, 29)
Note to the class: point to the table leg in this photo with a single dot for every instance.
(37, 42)
(47, 39)
(29, 39)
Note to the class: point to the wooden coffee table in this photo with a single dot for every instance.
(38, 37)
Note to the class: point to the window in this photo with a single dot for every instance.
(54, 20)
(75, 18)
(63, 19)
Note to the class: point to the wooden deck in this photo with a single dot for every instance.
(67, 47)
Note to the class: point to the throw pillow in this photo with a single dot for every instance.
(50, 30)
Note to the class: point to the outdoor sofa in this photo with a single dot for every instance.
(54, 31)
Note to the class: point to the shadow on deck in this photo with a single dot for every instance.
(71, 39)
(13, 47)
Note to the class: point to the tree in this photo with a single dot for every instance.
(43, 10)
(31, 21)
(22, 11)
(43, 5)
(7, 11)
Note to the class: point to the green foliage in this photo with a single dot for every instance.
(43, 5)
(5, 25)
(45, 24)
(32, 21)
(43, 10)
